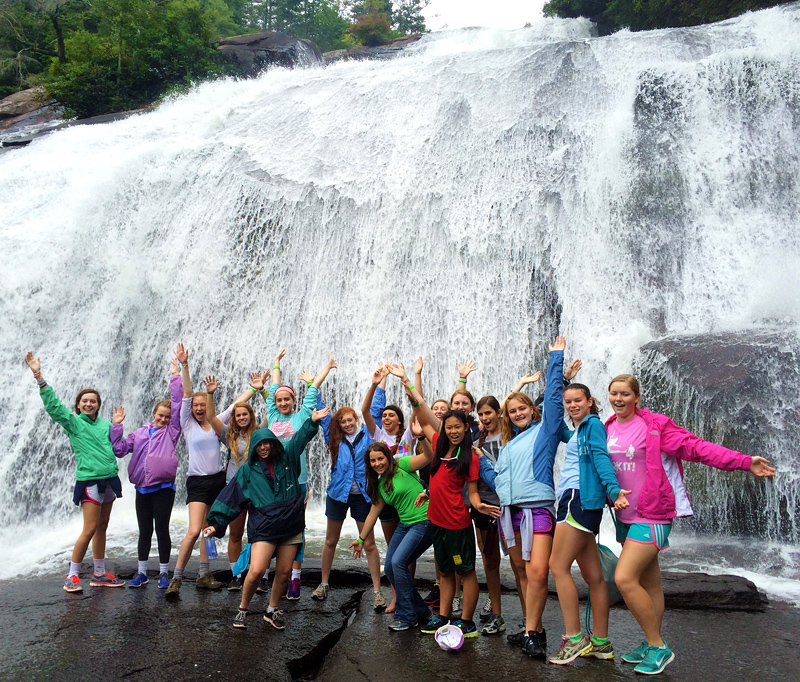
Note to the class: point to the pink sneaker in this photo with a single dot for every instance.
(73, 584)
(106, 580)
(293, 589)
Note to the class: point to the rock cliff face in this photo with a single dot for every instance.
(251, 54)
(388, 51)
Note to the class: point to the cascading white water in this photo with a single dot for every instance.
(465, 200)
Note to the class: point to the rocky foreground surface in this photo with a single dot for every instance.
(113, 634)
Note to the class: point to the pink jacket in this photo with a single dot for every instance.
(664, 495)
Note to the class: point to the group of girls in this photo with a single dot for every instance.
(413, 479)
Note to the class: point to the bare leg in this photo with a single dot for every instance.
(197, 521)
(469, 584)
(91, 516)
(651, 581)
(99, 537)
(491, 566)
(235, 535)
(297, 565)
(592, 572)
(283, 568)
(332, 535)
(636, 560)
(447, 588)
(536, 570)
(518, 565)
(260, 556)
(373, 558)
(568, 543)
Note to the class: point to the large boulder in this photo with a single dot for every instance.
(27, 108)
(251, 54)
(388, 51)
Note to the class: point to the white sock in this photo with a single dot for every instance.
(163, 568)
(204, 568)
(74, 569)
(178, 573)
(296, 573)
(99, 566)
(233, 563)
(270, 609)
(142, 567)
(266, 574)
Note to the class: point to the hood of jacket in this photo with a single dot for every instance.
(259, 436)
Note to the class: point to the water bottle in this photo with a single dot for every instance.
(211, 548)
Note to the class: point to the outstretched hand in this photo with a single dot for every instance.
(489, 510)
(466, 369)
(399, 370)
(211, 383)
(306, 377)
(572, 369)
(279, 357)
(622, 502)
(478, 452)
(331, 361)
(559, 344)
(357, 548)
(418, 365)
(316, 415)
(760, 467)
(257, 380)
(119, 415)
(416, 428)
(379, 374)
(33, 363)
(173, 367)
(182, 354)
(530, 378)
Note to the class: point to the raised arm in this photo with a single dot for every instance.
(325, 422)
(418, 365)
(553, 405)
(211, 409)
(256, 386)
(427, 419)
(323, 373)
(377, 377)
(276, 367)
(464, 371)
(424, 458)
(522, 383)
(121, 446)
(58, 412)
(182, 356)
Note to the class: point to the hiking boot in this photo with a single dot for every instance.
(637, 655)
(570, 650)
(535, 644)
(208, 582)
(321, 593)
(138, 580)
(106, 580)
(73, 584)
(378, 602)
(467, 627)
(275, 619)
(602, 651)
(486, 611)
(293, 590)
(235, 585)
(173, 591)
(494, 626)
(263, 586)
(240, 619)
(655, 660)
(163, 581)
(433, 625)
(432, 598)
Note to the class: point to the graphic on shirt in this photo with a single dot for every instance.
(282, 429)
(614, 448)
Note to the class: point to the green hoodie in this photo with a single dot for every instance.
(89, 439)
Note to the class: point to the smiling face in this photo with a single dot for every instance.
(349, 423)
(578, 406)
(454, 429)
(241, 415)
(263, 449)
(623, 399)
(461, 402)
(490, 419)
(439, 408)
(284, 401)
(519, 413)
(391, 422)
(199, 408)
(378, 461)
(89, 404)
(161, 416)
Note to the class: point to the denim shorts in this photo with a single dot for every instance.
(337, 511)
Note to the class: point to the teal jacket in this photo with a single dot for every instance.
(598, 479)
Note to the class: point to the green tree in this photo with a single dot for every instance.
(372, 29)
(407, 16)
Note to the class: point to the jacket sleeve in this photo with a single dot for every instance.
(325, 422)
(229, 504)
(596, 438)
(552, 408)
(378, 405)
(121, 446)
(58, 412)
(680, 443)
(176, 403)
(566, 432)
(487, 472)
(302, 437)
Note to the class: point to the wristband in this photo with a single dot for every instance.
(276, 366)
(42, 385)
(360, 541)
(462, 381)
(410, 387)
(264, 392)
(309, 384)
(253, 389)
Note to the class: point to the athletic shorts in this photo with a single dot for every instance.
(280, 542)
(543, 522)
(570, 512)
(91, 493)
(482, 521)
(454, 549)
(389, 513)
(645, 533)
(337, 511)
(204, 489)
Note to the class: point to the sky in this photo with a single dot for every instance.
(510, 14)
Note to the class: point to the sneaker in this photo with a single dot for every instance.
(106, 580)
(321, 593)
(602, 651)
(569, 650)
(235, 585)
(275, 618)
(486, 611)
(467, 627)
(208, 582)
(655, 660)
(433, 625)
(494, 626)
(637, 655)
(138, 580)
(263, 586)
(535, 644)
(400, 625)
(73, 584)
(516, 638)
(456, 608)
(173, 590)
(378, 602)
(163, 581)
(432, 598)
(293, 590)
(240, 619)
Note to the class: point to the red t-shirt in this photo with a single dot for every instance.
(446, 507)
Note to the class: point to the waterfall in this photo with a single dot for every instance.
(467, 199)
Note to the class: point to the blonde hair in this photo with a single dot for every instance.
(235, 433)
(162, 403)
(506, 429)
(632, 383)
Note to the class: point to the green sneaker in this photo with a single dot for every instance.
(637, 655)
(602, 651)
(569, 650)
(655, 660)
(434, 624)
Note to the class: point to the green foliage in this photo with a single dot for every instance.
(372, 29)
(640, 15)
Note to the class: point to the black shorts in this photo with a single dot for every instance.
(482, 521)
(454, 549)
(389, 513)
(204, 489)
(337, 511)
(571, 512)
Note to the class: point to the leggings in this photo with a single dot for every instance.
(154, 509)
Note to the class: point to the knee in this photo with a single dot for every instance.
(625, 581)
(331, 542)
(559, 567)
(193, 533)
(236, 536)
(537, 573)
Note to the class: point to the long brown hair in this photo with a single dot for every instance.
(372, 476)
(337, 435)
(234, 432)
(505, 421)
(491, 401)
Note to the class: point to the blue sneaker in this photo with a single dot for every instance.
(467, 627)
(163, 581)
(138, 580)
(655, 660)
(400, 625)
(433, 625)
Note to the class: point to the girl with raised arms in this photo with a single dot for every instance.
(646, 450)
(97, 484)
(152, 470)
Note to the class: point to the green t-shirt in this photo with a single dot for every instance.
(406, 487)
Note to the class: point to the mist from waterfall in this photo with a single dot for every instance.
(467, 199)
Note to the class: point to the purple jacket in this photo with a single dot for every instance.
(664, 496)
(154, 459)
